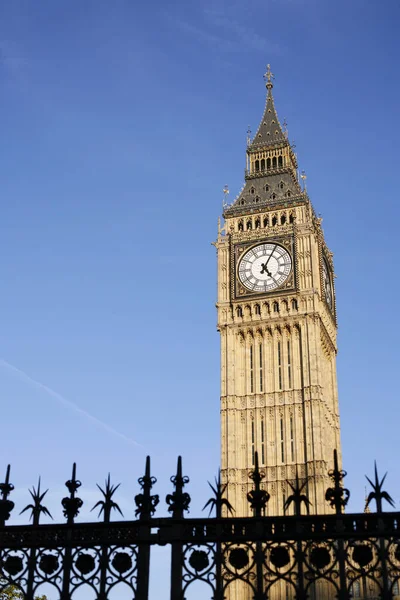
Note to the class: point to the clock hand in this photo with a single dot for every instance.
(264, 269)
(270, 256)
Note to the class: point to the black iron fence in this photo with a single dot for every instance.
(296, 557)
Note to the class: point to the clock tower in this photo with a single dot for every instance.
(277, 321)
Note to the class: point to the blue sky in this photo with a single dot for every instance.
(121, 123)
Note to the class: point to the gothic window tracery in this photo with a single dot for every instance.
(282, 436)
(292, 437)
(251, 357)
(262, 441)
(253, 441)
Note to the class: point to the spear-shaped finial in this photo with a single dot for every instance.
(178, 501)
(257, 497)
(6, 505)
(146, 502)
(72, 504)
(337, 496)
(378, 494)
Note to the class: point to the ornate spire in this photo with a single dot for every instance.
(269, 131)
(271, 164)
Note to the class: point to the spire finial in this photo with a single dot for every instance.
(303, 176)
(268, 77)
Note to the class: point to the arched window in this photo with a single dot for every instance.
(267, 188)
(294, 304)
(283, 219)
(257, 309)
(291, 218)
(240, 226)
(268, 163)
(239, 312)
(257, 165)
(257, 224)
(281, 183)
(274, 221)
(252, 442)
(273, 196)
(280, 162)
(276, 307)
(262, 164)
(274, 162)
(285, 305)
(265, 222)
(248, 226)
(288, 193)
(251, 365)
(252, 190)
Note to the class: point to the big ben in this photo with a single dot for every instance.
(277, 323)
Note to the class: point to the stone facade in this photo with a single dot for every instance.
(278, 344)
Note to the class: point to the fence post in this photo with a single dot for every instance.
(36, 509)
(146, 505)
(177, 502)
(71, 505)
(258, 499)
(106, 506)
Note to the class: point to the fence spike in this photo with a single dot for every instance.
(146, 502)
(6, 505)
(178, 502)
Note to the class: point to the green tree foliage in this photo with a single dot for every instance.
(12, 592)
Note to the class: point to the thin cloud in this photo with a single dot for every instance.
(244, 36)
(226, 34)
(65, 402)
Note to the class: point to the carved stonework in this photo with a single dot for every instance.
(292, 385)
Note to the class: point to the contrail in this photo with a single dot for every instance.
(67, 403)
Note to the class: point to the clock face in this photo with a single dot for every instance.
(265, 267)
(327, 284)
